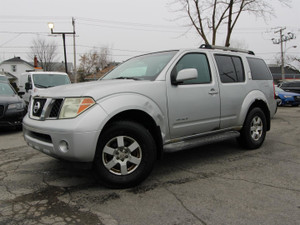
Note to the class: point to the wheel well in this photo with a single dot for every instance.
(263, 106)
(145, 120)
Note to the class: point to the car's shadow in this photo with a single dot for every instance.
(165, 168)
(9, 130)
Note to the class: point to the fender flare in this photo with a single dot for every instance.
(249, 100)
(121, 102)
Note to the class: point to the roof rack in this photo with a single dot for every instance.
(207, 46)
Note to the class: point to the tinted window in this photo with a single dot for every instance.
(230, 68)
(259, 69)
(197, 61)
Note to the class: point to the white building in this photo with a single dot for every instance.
(15, 66)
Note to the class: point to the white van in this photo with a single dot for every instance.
(31, 82)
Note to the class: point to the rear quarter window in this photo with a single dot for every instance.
(259, 69)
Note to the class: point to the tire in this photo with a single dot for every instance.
(279, 102)
(125, 155)
(254, 130)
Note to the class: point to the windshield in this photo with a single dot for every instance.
(145, 67)
(278, 89)
(5, 89)
(49, 80)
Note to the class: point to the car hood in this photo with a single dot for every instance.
(288, 93)
(95, 89)
(5, 99)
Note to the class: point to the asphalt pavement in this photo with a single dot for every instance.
(214, 184)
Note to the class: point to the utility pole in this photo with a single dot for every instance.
(282, 38)
(74, 51)
(51, 26)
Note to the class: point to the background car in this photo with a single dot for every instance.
(290, 86)
(12, 106)
(286, 98)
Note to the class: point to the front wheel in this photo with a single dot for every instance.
(125, 154)
(254, 130)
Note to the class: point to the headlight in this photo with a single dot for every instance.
(287, 96)
(15, 106)
(72, 107)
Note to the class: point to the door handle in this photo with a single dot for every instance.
(213, 92)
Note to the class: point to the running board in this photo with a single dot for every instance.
(195, 142)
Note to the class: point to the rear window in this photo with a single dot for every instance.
(259, 69)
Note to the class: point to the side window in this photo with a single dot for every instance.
(29, 79)
(259, 69)
(230, 68)
(197, 61)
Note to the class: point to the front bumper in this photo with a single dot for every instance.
(70, 139)
(12, 118)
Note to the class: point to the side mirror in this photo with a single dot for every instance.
(28, 86)
(185, 74)
(20, 93)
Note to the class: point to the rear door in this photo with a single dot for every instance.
(194, 105)
(233, 87)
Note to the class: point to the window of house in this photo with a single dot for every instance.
(230, 68)
(196, 61)
(14, 68)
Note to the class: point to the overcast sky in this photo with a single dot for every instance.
(129, 27)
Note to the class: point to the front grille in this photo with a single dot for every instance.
(297, 98)
(46, 108)
(38, 105)
(1, 110)
(56, 108)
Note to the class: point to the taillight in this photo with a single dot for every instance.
(274, 90)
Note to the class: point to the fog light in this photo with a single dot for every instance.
(63, 146)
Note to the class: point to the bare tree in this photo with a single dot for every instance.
(208, 16)
(94, 61)
(105, 58)
(46, 52)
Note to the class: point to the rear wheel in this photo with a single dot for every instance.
(254, 130)
(125, 154)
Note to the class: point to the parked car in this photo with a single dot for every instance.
(286, 98)
(12, 107)
(290, 86)
(31, 82)
(163, 101)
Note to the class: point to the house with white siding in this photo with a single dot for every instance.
(15, 66)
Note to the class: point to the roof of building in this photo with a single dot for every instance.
(17, 60)
(288, 70)
(8, 75)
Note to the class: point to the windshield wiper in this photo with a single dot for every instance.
(129, 78)
(41, 86)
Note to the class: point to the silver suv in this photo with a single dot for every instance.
(163, 101)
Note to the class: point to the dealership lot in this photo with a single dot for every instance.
(215, 184)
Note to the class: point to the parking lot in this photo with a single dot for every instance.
(215, 184)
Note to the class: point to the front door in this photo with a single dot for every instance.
(194, 105)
